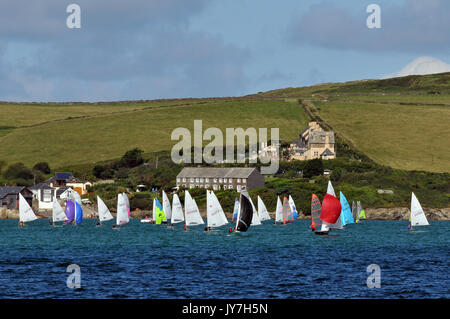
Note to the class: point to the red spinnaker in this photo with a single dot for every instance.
(331, 209)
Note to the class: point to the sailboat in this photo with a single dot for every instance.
(122, 217)
(191, 211)
(287, 212)
(26, 214)
(103, 212)
(279, 211)
(215, 216)
(158, 212)
(255, 218)
(417, 216)
(166, 206)
(235, 210)
(177, 211)
(58, 214)
(262, 210)
(346, 213)
(293, 208)
(330, 212)
(315, 212)
(245, 213)
(360, 211)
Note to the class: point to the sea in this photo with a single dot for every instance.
(371, 259)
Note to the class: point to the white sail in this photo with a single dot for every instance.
(292, 204)
(330, 189)
(255, 219)
(166, 206)
(122, 210)
(154, 210)
(221, 212)
(177, 210)
(262, 210)
(26, 214)
(58, 214)
(192, 213)
(127, 200)
(103, 212)
(418, 217)
(279, 211)
(214, 213)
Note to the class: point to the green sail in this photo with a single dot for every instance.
(362, 214)
(160, 216)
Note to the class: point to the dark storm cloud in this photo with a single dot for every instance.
(135, 49)
(416, 26)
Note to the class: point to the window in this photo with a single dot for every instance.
(238, 188)
(47, 195)
(206, 185)
(220, 180)
(197, 180)
(238, 180)
(230, 180)
(244, 181)
(191, 186)
(316, 153)
(230, 187)
(206, 180)
(215, 180)
(201, 179)
(224, 180)
(215, 187)
(184, 179)
(178, 180)
(192, 179)
(224, 186)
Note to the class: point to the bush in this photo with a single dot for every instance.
(132, 158)
(313, 167)
(18, 171)
(42, 167)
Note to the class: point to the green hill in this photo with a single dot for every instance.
(400, 122)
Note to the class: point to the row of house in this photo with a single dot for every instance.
(220, 178)
(56, 186)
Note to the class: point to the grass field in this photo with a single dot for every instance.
(107, 132)
(411, 137)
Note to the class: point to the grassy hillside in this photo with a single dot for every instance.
(90, 133)
(401, 122)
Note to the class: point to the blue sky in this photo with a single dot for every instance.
(148, 49)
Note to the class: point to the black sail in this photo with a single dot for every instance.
(245, 213)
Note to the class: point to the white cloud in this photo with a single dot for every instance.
(420, 66)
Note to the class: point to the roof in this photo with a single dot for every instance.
(320, 137)
(327, 152)
(226, 172)
(6, 190)
(40, 186)
(64, 176)
(61, 190)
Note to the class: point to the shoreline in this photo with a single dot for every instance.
(394, 213)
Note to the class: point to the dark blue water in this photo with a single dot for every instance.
(153, 261)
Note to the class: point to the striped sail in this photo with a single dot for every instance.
(315, 212)
(287, 212)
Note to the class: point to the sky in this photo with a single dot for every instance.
(151, 49)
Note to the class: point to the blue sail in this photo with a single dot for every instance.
(346, 212)
(78, 213)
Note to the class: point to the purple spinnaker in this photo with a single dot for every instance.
(70, 211)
